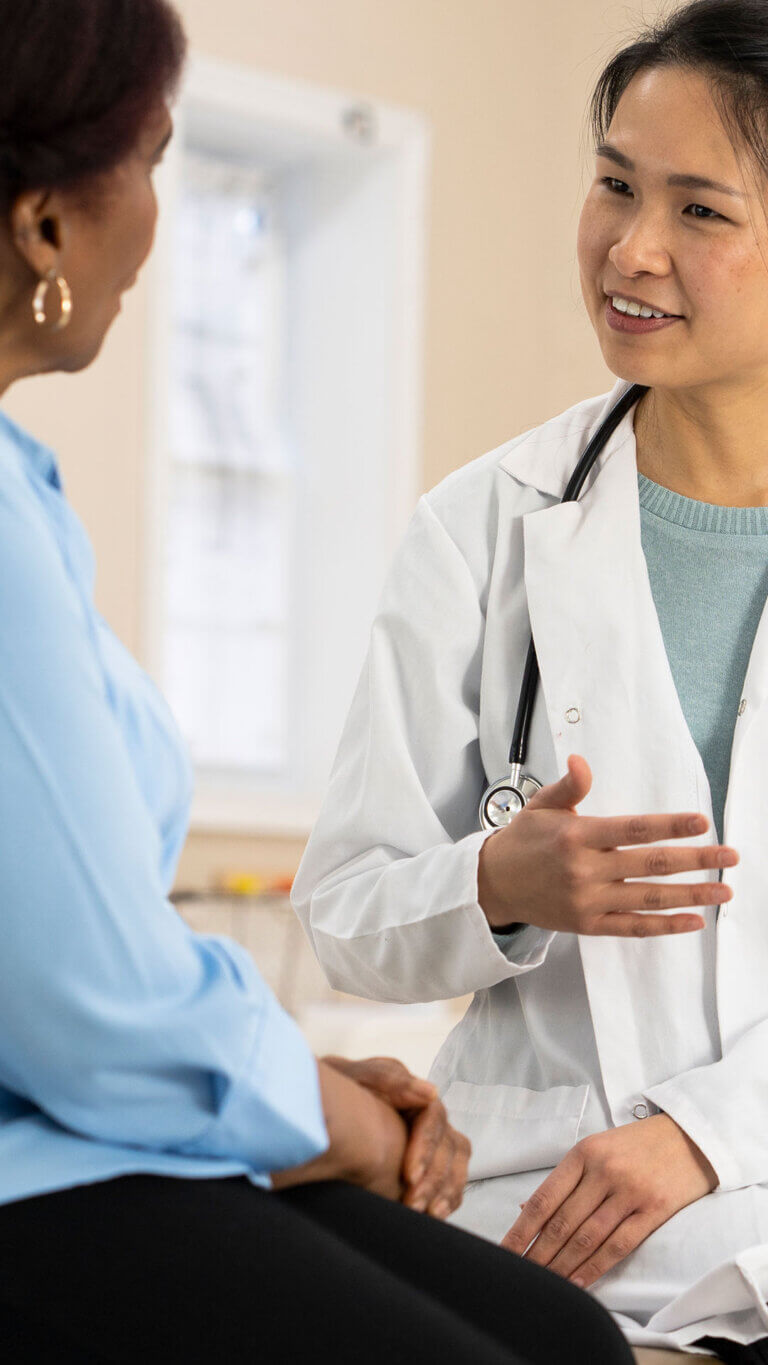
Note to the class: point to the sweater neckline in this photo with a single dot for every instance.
(700, 516)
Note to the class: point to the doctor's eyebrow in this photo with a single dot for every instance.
(689, 182)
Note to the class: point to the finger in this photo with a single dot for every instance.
(455, 1179)
(627, 918)
(391, 1075)
(429, 1190)
(643, 896)
(621, 1242)
(569, 790)
(618, 864)
(589, 1236)
(389, 1078)
(617, 925)
(567, 1220)
(427, 1132)
(410, 1094)
(463, 1152)
(394, 1080)
(616, 831)
(542, 1204)
(441, 1203)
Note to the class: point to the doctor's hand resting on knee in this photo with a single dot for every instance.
(613, 1189)
(607, 1195)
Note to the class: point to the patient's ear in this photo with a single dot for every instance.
(38, 229)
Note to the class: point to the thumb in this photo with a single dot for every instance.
(569, 790)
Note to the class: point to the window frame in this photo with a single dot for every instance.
(302, 115)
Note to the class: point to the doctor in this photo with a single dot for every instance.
(612, 1070)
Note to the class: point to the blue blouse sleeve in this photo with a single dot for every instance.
(115, 1019)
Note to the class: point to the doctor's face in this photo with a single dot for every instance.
(695, 251)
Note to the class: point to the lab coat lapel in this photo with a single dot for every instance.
(605, 675)
(742, 961)
(610, 696)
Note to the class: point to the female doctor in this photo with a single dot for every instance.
(612, 1070)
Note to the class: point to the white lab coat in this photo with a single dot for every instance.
(566, 1035)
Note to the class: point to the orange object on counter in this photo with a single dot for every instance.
(281, 885)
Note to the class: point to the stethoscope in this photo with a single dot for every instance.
(505, 798)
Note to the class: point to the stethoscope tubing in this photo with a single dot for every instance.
(519, 746)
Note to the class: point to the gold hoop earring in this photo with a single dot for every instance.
(65, 301)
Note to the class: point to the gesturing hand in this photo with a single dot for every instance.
(578, 873)
(607, 1195)
(437, 1156)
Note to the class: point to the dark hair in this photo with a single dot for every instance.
(78, 80)
(727, 41)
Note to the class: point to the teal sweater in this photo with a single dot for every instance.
(708, 567)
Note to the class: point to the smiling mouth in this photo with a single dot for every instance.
(633, 309)
(624, 323)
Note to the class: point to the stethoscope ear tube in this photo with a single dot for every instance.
(502, 800)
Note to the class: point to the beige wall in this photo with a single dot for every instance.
(504, 84)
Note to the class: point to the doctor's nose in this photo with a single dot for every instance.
(640, 251)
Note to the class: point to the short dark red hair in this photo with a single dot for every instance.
(78, 80)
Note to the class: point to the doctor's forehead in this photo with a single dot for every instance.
(667, 121)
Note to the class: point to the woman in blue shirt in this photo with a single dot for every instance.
(178, 1176)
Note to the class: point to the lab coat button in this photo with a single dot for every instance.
(640, 1111)
(573, 715)
(742, 706)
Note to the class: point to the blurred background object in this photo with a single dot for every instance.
(365, 276)
(333, 1021)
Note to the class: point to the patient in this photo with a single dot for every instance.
(149, 1082)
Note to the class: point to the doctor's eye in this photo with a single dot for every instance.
(709, 212)
(610, 182)
(707, 215)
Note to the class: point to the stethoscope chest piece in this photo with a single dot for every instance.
(504, 800)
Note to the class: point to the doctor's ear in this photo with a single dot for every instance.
(37, 230)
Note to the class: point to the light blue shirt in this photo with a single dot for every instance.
(127, 1042)
(708, 569)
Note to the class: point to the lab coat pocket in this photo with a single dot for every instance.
(515, 1129)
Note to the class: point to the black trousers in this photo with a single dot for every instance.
(146, 1270)
(733, 1354)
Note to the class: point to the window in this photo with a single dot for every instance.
(285, 365)
(232, 497)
